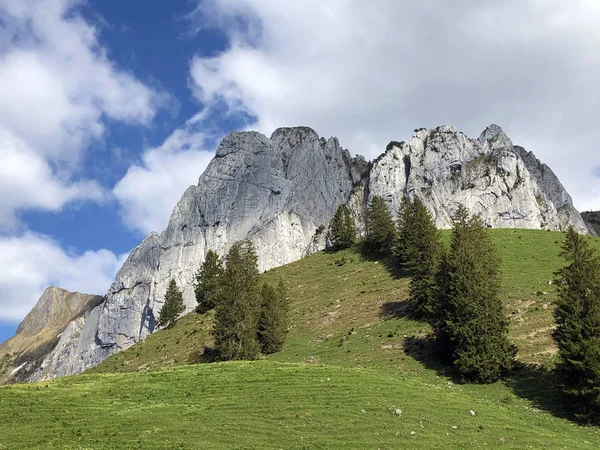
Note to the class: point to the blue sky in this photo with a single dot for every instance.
(109, 110)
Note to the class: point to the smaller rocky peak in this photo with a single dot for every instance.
(56, 307)
(294, 131)
(35, 321)
(495, 137)
(240, 141)
(446, 129)
(442, 143)
(292, 140)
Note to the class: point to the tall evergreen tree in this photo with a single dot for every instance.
(274, 320)
(238, 304)
(342, 229)
(423, 252)
(380, 228)
(207, 282)
(172, 307)
(474, 324)
(404, 228)
(577, 317)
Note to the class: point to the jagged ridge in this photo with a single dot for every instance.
(277, 191)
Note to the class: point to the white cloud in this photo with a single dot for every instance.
(371, 72)
(27, 181)
(58, 87)
(32, 262)
(148, 192)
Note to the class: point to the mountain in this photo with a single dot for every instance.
(40, 330)
(592, 219)
(508, 186)
(278, 191)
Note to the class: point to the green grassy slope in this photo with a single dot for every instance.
(350, 310)
(270, 405)
(349, 325)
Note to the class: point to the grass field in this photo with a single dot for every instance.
(352, 347)
(272, 405)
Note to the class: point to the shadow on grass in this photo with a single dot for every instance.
(531, 382)
(395, 310)
(424, 350)
(389, 262)
(541, 387)
(206, 355)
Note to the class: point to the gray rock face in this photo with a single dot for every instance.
(275, 191)
(592, 220)
(507, 186)
(278, 191)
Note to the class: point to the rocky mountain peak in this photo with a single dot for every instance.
(495, 137)
(39, 332)
(507, 186)
(56, 306)
(279, 191)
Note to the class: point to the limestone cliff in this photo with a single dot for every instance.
(507, 186)
(277, 191)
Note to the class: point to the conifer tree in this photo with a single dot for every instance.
(342, 231)
(380, 229)
(207, 282)
(404, 227)
(274, 321)
(172, 307)
(423, 252)
(577, 317)
(474, 324)
(238, 304)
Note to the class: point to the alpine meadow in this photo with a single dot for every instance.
(298, 225)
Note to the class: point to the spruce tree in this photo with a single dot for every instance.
(474, 324)
(238, 304)
(404, 228)
(380, 229)
(423, 252)
(172, 307)
(577, 317)
(342, 229)
(207, 282)
(274, 321)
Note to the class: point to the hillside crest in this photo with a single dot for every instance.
(278, 191)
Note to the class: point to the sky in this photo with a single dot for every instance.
(109, 110)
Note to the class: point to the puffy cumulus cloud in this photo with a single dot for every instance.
(371, 72)
(149, 190)
(32, 262)
(58, 88)
(27, 181)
